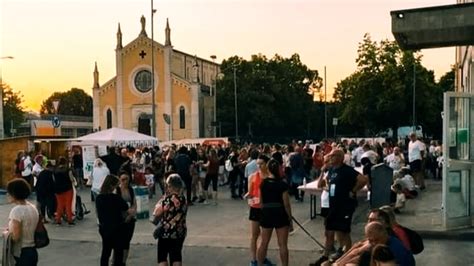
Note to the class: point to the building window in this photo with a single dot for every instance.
(182, 115)
(67, 132)
(83, 131)
(109, 118)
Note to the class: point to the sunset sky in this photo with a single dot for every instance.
(56, 42)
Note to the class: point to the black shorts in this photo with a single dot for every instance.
(274, 218)
(339, 220)
(255, 214)
(415, 166)
(171, 247)
(324, 212)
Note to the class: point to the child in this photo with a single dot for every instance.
(150, 181)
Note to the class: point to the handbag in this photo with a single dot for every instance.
(158, 229)
(41, 235)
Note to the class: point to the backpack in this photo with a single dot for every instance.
(228, 165)
(416, 242)
(147, 158)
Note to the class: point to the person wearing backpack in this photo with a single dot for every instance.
(234, 172)
(410, 239)
(26, 168)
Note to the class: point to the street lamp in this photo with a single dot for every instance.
(2, 132)
(414, 95)
(235, 106)
(325, 106)
(214, 95)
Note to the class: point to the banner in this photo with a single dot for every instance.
(88, 158)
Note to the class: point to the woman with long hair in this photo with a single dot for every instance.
(276, 213)
(16, 168)
(63, 188)
(126, 191)
(254, 200)
(22, 223)
(110, 213)
(170, 215)
(99, 172)
(212, 173)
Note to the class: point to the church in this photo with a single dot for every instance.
(183, 90)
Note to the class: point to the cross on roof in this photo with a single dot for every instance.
(142, 54)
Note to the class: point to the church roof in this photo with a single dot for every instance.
(180, 80)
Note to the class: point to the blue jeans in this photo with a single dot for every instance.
(28, 257)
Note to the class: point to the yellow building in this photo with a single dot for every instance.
(183, 90)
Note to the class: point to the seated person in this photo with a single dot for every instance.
(382, 256)
(407, 183)
(376, 234)
(397, 229)
(399, 197)
(359, 253)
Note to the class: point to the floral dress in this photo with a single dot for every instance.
(173, 221)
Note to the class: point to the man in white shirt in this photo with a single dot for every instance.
(357, 153)
(395, 160)
(416, 150)
(27, 168)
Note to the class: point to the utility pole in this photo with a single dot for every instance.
(414, 94)
(325, 106)
(153, 104)
(214, 94)
(2, 130)
(235, 105)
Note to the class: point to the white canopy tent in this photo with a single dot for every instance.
(194, 142)
(116, 137)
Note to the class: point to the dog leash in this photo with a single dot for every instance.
(312, 237)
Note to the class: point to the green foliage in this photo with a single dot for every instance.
(275, 96)
(73, 102)
(378, 95)
(12, 109)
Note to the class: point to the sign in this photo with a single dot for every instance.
(56, 122)
(88, 158)
(334, 121)
(167, 118)
(102, 150)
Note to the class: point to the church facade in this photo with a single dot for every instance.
(183, 92)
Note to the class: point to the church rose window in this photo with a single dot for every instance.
(142, 81)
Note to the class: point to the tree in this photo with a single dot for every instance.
(378, 95)
(275, 96)
(73, 102)
(446, 83)
(13, 113)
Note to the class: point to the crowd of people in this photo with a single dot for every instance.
(265, 175)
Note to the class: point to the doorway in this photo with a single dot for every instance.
(144, 124)
(458, 151)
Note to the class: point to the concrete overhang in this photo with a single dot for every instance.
(433, 27)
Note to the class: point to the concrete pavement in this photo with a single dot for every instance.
(218, 235)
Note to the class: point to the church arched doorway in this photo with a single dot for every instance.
(144, 124)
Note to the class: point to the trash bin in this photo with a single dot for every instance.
(141, 196)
